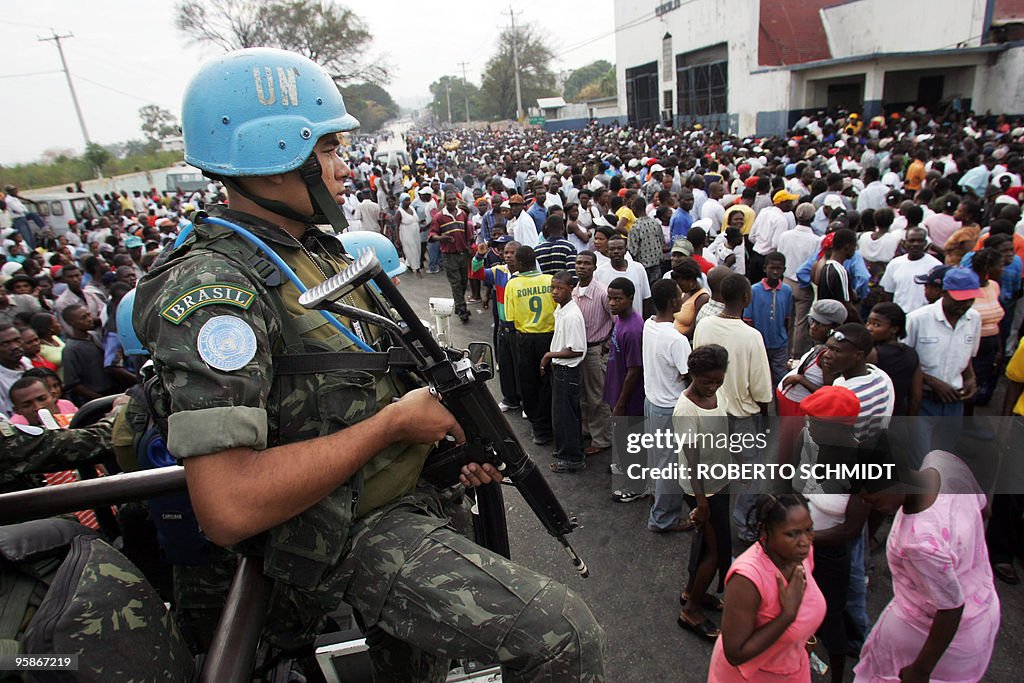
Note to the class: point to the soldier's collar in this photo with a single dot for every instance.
(272, 232)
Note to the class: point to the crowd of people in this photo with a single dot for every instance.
(839, 278)
(853, 274)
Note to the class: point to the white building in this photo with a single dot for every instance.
(754, 66)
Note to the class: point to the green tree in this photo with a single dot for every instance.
(584, 76)
(459, 90)
(97, 156)
(158, 123)
(330, 34)
(498, 89)
(369, 103)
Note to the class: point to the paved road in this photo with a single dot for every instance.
(636, 575)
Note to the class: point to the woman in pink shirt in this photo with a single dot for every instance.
(772, 604)
(942, 622)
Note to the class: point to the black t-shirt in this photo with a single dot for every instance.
(833, 283)
(900, 362)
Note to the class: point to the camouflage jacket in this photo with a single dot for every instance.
(215, 319)
(31, 451)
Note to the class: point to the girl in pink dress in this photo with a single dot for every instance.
(942, 583)
(772, 604)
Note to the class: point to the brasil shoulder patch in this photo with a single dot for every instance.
(207, 295)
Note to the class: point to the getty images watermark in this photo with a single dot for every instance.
(772, 454)
(668, 440)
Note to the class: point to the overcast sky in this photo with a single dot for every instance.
(127, 53)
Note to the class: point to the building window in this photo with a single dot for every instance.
(702, 81)
(642, 94)
(666, 57)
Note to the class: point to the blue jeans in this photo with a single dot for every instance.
(745, 498)
(857, 592)
(777, 361)
(433, 256)
(565, 413)
(668, 496)
(938, 425)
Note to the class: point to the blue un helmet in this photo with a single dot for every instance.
(258, 112)
(387, 254)
(125, 330)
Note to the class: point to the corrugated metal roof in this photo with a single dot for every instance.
(790, 32)
(550, 102)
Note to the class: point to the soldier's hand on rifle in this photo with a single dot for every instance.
(475, 474)
(419, 417)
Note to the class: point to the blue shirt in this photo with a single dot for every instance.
(539, 214)
(680, 224)
(1010, 283)
(854, 265)
(768, 310)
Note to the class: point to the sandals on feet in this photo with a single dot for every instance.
(709, 602)
(705, 629)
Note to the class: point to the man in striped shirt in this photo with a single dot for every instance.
(844, 357)
(556, 253)
(591, 296)
(452, 228)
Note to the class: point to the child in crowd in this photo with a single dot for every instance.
(701, 410)
(568, 346)
(769, 311)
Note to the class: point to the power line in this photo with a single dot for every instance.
(631, 24)
(8, 22)
(31, 73)
(112, 89)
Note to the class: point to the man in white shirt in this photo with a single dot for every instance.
(665, 354)
(521, 225)
(568, 346)
(874, 192)
(797, 245)
(748, 385)
(618, 266)
(946, 336)
(904, 275)
(713, 210)
(369, 213)
(350, 207)
(764, 234)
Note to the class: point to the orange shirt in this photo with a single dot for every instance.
(915, 175)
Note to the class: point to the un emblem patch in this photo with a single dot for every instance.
(226, 343)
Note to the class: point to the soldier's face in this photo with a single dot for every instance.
(334, 169)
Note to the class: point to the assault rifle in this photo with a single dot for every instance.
(459, 381)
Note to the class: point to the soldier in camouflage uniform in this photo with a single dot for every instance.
(317, 469)
(29, 452)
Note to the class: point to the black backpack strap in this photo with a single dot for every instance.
(310, 363)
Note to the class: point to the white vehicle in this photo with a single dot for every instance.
(58, 208)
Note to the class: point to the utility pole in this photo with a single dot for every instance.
(515, 64)
(465, 88)
(71, 86)
(448, 96)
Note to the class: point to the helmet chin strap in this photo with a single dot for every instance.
(325, 209)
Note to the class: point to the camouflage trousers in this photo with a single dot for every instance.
(426, 594)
